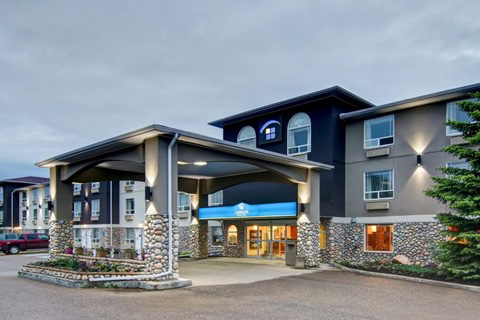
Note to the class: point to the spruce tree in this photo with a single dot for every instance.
(459, 254)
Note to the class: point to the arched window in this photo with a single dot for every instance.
(299, 134)
(232, 235)
(247, 137)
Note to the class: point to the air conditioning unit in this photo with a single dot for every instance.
(35, 201)
(128, 188)
(47, 197)
(24, 202)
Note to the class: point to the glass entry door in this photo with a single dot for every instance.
(268, 241)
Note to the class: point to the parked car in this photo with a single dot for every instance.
(14, 243)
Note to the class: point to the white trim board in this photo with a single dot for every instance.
(386, 219)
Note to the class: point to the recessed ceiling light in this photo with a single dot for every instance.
(200, 163)
(182, 163)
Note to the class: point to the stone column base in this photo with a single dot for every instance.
(61, 236)
(307, 243)
(199, 240)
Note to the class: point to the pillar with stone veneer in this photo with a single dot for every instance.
(198, 228)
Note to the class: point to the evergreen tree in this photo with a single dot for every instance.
(459, 255)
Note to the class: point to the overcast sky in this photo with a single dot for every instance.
(76, 72)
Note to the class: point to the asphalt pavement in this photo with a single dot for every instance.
(316, 295)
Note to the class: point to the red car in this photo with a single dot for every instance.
(11, 243)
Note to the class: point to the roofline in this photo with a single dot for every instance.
(18, 181)
(317, 95)
(138, 136)
(32, 186)
(454, 93)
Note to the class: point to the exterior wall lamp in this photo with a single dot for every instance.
(419, 159)
(85, 199)
(50, 205)
(148, 193)
(303, 208)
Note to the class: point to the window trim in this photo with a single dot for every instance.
(211, 204)
(183, 207)
(365, 237)
(77, 187)
(378, 199)
(254, 138)
(95, 185)
(447, 128)
(309, 137)
(95, 240)
(80, 212)
(383, 145)
(129, 240)
(129, 212)
(75, 239)
(228, 232)
(95, 213)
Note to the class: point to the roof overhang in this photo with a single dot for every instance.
(139, 136)
(451, 94)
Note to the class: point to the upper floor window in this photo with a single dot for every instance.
(46, 193)
(46, 214)
(378, 185)
(95, 185)
(35, 194)
(77, 209)
(215, 199)
(247, 137)
(130, 205)
(454, 113)
(299, 134)
(378, 132)
(24, 215)
(96, 207)
(77, 187)
(459, 164)
(35, 215)
(1, 193)
(183, 202)
(1, 216)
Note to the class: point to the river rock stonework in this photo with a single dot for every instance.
(415, 240)
(184, 233)
(199, 240)
(156, 245)
(307, 243)
(61, 236)
(238, 250)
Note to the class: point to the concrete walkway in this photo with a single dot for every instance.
(224, 271)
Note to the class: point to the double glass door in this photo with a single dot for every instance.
(269, 241)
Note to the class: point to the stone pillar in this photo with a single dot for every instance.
(156, 216)
(61, 224)
(199, 239)
(309, 220)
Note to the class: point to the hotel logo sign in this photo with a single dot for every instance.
(242, 210)
(270, 131)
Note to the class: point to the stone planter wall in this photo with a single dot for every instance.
(415, 240)
(74, 275)
(61, 236)
(129, 265)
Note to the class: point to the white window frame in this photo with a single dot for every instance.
(95, 240)
(77, 187)
(35, 215)
(243, 141)
(77, 213)
(24, 217)
(378, 199)
(378, 145)
(127, 239)
(46, 214)
(46, 193)
(309, 136)
(75, 235)
(95, 213)
(2, 216)
(127, 210)
(215, 204)
(378, 225)
(450, 132)
(187, 207)
(95, 185)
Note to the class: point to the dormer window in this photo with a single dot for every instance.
(299, 134)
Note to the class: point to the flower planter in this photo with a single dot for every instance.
(79, 251)
(69, 251)
(102, 254)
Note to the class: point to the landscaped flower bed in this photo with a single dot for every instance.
(73, 264)
(426, 272)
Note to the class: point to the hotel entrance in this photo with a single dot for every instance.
(269, 240)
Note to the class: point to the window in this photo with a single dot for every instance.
(379, 238)
(24, 215)
(322, 237)
(130, 205)
(35, 214)
(183, 202)
(1, 194)
(46, 193)
(459, 164)
(46, 214)
(78, 235)
(247, 137)
(35, 195)
(299, 134)
(77, 209)
(217, 236)
(130, 236)
(1, 216)
(95, 208)
(129, 183)
(215, 199)
(77, 187)
(42, 236)
(232, 235)
(378, 185)
(32, 236)
(95, 235)
(454, 113)
(378, 132)
(95, 185)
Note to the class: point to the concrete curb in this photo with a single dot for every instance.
(144, 285)
(411, 279)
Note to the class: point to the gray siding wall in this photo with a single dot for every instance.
(417, 130)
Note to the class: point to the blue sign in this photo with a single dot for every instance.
(270, 131)
(247, 211)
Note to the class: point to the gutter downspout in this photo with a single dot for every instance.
(170, 235)
(11, 210)
(111, 221)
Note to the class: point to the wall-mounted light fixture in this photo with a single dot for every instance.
(353, 220)
(200, 163)
(303, 208)
(50, 205)
(419, 159)
(148, 193)
(85, 199)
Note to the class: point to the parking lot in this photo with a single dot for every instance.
(324, 294)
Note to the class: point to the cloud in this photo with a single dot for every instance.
(73, 73)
